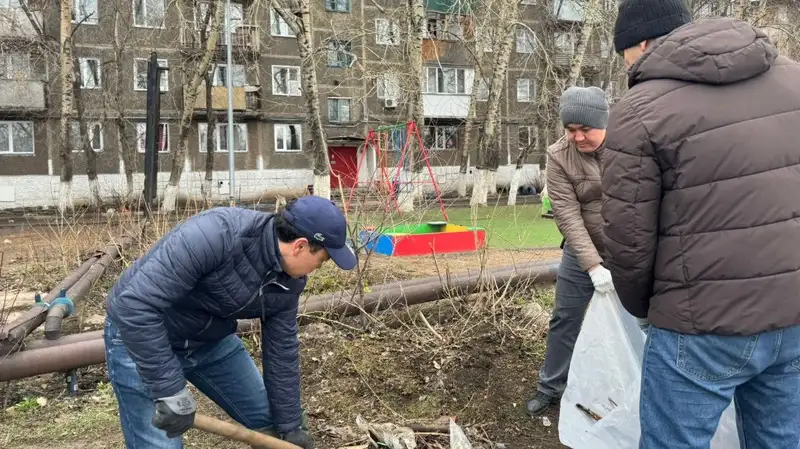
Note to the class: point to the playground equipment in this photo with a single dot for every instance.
(390, 144)
(421, 239)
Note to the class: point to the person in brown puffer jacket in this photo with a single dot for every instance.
(702, 223)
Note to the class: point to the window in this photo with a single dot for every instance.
(16, 137)
(148, 13)
(483, 90)
(565, 43)
(524, 90)
(340, 54)
(90, 73)
(526, 41)
(388, 86)
(162, 138)
(15, 66)
(278, 26)
(221, 144)
(337, 5)
(441, 137)
(288, 138)
(449, 80)
(140, 74)
(94, 138)
(445, 26)
(286, 81)
(338, 110)
(84, 12)
(387, 32)
(220, 77)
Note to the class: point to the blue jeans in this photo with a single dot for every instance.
(689, 380)
(223, 371)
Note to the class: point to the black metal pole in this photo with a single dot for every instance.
(152, 129)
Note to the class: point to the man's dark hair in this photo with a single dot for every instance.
(287, 233)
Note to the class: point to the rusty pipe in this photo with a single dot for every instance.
(13, 333)
(250, 325)
(91, 352)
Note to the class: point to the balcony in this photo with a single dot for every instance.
(247, 98)
(445, 105)
(22, 95)
(15, 24)
(243, 38)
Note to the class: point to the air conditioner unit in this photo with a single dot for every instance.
(390, 103)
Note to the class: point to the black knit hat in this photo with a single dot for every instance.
(641, 20)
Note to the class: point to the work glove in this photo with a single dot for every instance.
(601, 278)
(299, 437)
(175, 414)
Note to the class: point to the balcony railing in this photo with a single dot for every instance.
(22, 94)
(244, 98)
(14, 23)
(243, 38)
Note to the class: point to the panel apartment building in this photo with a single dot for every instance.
(362, 76)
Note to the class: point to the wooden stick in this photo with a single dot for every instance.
(239, 433)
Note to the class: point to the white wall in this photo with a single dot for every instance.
(42, 190)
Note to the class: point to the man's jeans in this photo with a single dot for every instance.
(574, 290)
(223, 371)
(689, 380)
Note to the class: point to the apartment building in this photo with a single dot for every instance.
(362, 77)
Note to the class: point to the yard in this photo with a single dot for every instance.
(475, 360)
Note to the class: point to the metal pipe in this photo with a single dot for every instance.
(12, 334)
(91, 352)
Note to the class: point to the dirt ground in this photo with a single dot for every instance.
(473, 359)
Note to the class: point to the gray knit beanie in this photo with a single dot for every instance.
(585, 106)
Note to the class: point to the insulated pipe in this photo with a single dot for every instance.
(91, 352)
(311, 303)
(12, 334)
(63, 307)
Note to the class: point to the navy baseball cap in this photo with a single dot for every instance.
(320, 221)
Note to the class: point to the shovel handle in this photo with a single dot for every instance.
(239, 433)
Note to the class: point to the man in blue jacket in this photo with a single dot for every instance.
(171, 318)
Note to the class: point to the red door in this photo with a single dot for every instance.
(344, 166)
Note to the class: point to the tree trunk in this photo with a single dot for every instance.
(590, 14)
(85, 141)
(470, 122)
(412, 188)
(67, 82)
(211, 127)
(297, 15)
(196, 72)
(488, 151)
(125, 150)
(517, 175)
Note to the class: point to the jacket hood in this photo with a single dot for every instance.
(708, 51)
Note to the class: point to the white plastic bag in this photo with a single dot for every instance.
(605, 377)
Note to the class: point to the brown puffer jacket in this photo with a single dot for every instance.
(573, 184)
(701, 183)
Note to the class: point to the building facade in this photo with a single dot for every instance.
(362, 71)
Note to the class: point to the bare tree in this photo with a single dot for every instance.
(297, 15)
(488, 147)
(194, 71)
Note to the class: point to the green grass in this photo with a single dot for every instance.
(507, 227)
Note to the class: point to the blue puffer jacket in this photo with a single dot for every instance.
(192, 286)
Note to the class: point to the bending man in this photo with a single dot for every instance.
(172, 319)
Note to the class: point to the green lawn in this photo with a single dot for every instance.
(506, 226)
